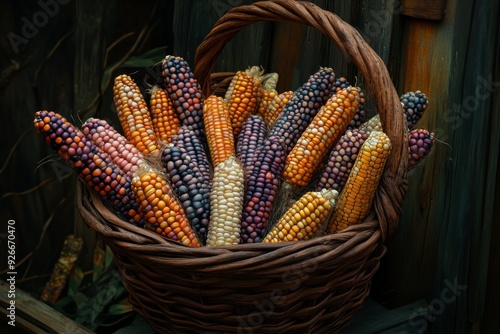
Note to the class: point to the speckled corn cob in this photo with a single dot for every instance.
(194, 195)
(275, 107)
(93, 166)
(242, 96)
(305, 219)
(121, 151)
(226, 201)
(134, 115)
(218, 130)
(251, 137)
(185, 93)
(186, 139)
(373, 124)
(262, 183)
(420, 143)
(302, 107)
(165, 120)
(414, 105)
(162, 211)
(318, 138)
(357, 197)
(340, 161)
(62, 269)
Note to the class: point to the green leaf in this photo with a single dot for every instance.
(75, 280)
(121, 307)
(98, 259)
(108, 258)
(147, 59)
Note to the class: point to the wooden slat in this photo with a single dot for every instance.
(374, 318)
(37, 317)
(424, 9)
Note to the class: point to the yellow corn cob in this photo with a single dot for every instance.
(305, 218)
(267, 92)
(165, 120)
(357, 196)
(162, 211)
(243, 96)
(321, 134)
(226, 201)
(275, 108)
(218, 129)
(134, 115)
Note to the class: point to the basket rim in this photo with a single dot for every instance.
(393, 184)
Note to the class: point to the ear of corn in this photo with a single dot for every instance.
(420, 143)
(94, 166)
(242, 97)
(414, 105)
(267, 92)
(360, 115)
(263, 180)
(194, 195)
(121, 151)
(185, 93)
(134, 115)
(340, 161)
(165, 120)
(372, 125)
(186, 139)
(218, 130)
(276, 106)
(319, 137)
(251, 137)
(226, 201)
(302, 107)
(357, 197)
(305, 219)
(162, 211)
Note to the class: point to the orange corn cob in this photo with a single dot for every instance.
(357, 197)
(305, 218)
(322, 133)
(218, 129)
(242, 96)
(275, 108)
(134, 115)
(165, 120)
(163, 213)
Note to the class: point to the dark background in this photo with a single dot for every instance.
(450, 227)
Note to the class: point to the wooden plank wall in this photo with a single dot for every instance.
(449, 229)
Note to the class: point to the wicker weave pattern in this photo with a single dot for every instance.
(313, 286)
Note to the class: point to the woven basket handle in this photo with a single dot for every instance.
(393, 185)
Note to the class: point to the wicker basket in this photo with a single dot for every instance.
(311, 286)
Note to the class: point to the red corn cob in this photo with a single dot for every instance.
(122, 152)
(420, 143)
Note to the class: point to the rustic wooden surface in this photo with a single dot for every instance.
(33, 316)
(424, 9)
